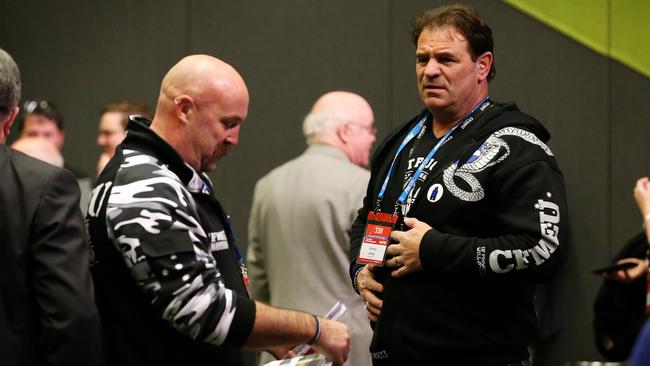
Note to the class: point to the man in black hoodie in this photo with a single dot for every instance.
(478, 206)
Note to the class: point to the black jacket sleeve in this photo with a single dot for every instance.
(154, 223)
(530, 213)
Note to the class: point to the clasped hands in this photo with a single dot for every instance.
(404, 256)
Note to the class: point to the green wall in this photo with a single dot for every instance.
(613, 28)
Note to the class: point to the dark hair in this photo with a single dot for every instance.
(466, 20)
(9, 83)
(127, 108)
(43, 108)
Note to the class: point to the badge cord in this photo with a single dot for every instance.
(410, 136)
(411, 183)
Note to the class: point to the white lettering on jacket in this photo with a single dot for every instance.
(218, 241)
(504, 261)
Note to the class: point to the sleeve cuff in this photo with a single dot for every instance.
(429, 249)
(242, 324)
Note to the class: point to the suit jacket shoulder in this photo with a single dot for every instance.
(49, 316)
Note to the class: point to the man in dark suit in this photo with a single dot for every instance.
(47, 310)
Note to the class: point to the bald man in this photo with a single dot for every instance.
(302, 213)
(171, 285)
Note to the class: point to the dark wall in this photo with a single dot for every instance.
(83, 54)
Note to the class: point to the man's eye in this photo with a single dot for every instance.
(422, 60)
(230, 124)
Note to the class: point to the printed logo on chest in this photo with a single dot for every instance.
(435, 193)
(218, 241)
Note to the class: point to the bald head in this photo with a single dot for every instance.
(344, 120)
(202, 102)
(341, 103)
(201, 76)
(332, 110)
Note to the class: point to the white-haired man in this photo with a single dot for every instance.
(302, 213)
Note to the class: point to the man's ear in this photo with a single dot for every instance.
(344, 132)
(183, 107)
(6, 126)
(484, 63)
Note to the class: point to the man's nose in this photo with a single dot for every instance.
(432, 68)
(232, 136)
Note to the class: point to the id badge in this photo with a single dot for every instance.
(376, 238)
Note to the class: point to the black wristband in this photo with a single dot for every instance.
(354, 281)
(317, 334)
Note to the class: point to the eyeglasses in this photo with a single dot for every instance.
(37, 106)
(44, 108)
(370, 129)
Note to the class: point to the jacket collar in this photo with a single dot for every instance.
(141, 137)
(328, 150)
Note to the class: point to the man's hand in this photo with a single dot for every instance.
(281, 351)
(369, 289)
(642, 198)
(406, 253)
(334, 342)
(630, 274)
(642, 195)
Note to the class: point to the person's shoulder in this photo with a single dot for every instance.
(330, 161)
(517, 131)
(356, 172)
(403, 128)
(276, 172)
(136, 165)
(31, 179)
(521, 137)
(141, 178)
(25, 161)
(36, 170)
(508, 120)
(285, 168)
(518, 146)
(393, 135)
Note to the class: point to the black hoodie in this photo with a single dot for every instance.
(496, 201)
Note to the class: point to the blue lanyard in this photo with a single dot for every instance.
(414, 132)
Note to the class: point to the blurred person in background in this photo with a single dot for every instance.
(112, 126)
(42, 119)
(641, 351)
(39, 148)
(302, 213)
(620, 308)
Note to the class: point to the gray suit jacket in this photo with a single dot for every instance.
(299, 235)
(47, 309)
